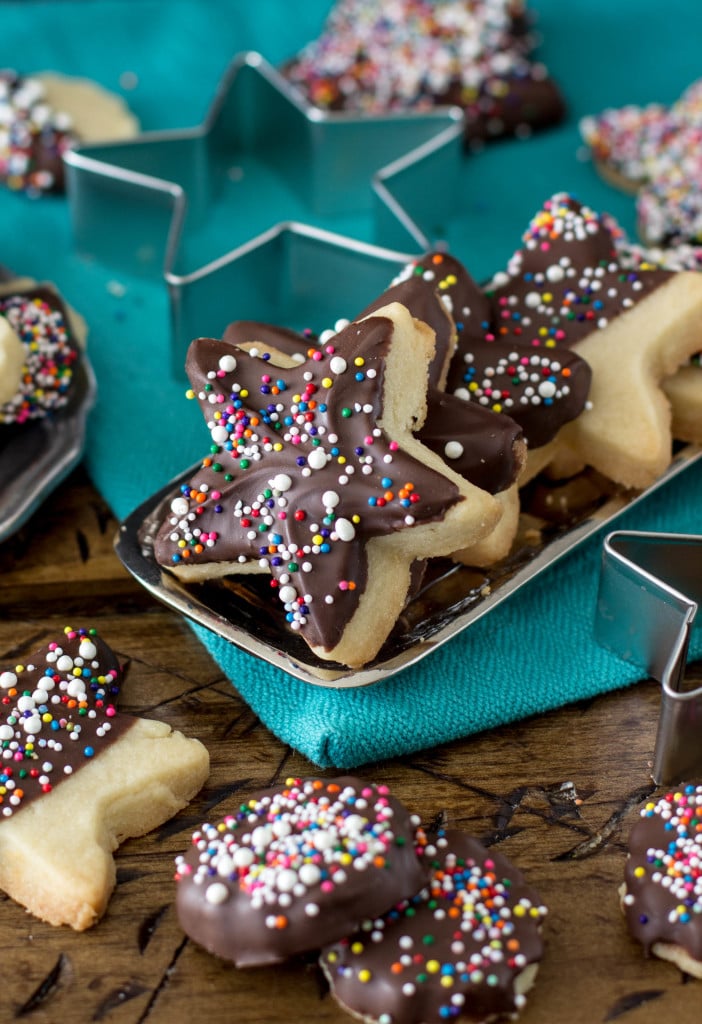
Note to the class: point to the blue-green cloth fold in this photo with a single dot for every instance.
(536, 650)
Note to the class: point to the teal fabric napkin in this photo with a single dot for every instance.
(536, 650)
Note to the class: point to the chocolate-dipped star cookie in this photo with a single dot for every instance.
(484, 447)
(538, 389)
(316, 475)
(373, 57)
(77, 777)
(295, 866)
(567, 288)
(523, 381)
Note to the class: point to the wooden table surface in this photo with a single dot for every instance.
(557, 794)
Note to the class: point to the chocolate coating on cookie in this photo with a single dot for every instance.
(539, 389)
(374, 58)
(301, 475)
(564, 284)
(566, 280)
(57, 714)
(486, 448)
(41, 322)
(296, 866)
(663, 874)
(455, 949)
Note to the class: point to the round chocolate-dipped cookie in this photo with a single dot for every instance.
(373, 57)
(296, 867)
(662, 892)
(467, 945)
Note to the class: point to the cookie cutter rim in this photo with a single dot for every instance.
(89, 169)
(649, 592)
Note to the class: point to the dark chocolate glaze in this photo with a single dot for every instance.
(57, 715)
(663, 873)
(539, 388)
(514, 104)
(32, 160)
(455, 949)
(565, 282)
(375, 59)
(296, 866)
(41, 321)
(285, 483)
(484, 447)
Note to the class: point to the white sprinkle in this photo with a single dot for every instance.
(216, 893)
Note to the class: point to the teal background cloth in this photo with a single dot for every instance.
(536, 650)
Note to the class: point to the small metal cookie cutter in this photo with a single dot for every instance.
(650, 588)
(153, 205)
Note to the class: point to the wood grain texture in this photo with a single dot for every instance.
(557, 794)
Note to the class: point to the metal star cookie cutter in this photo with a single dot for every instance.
(650, 588)
(152, 205)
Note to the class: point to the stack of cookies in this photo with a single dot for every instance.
(409, 925)
(338, 464)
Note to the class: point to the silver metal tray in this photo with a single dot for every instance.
(35, 457)
(557, 517)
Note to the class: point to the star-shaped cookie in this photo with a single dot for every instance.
(78, 777)
(316, 477)
(655, 151)
(372, 57)
(567, 287)
(467, 426)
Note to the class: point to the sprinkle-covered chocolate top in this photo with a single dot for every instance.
(57, 714)
(33, 136)
(538, 388)
(301, 474)
(295, 866)
(566, 280)
(663, 875)
(416, 53)
(453, 950)
(40, 321)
